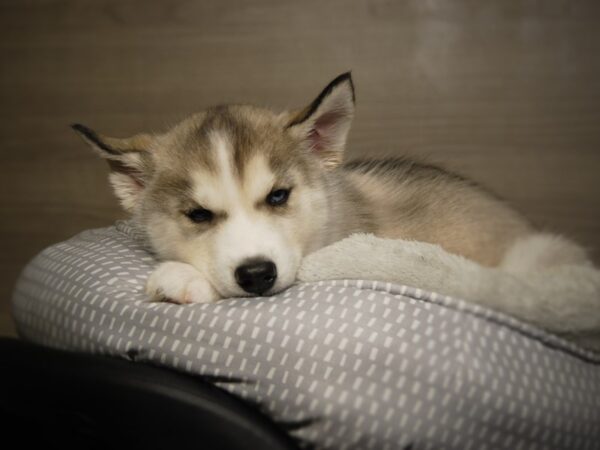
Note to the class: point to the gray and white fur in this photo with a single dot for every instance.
(234, 198)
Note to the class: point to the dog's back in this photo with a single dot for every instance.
(410, 200)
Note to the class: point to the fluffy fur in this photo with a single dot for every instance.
(202, 191)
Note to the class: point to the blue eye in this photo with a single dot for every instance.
(200, 215)
(278, 197)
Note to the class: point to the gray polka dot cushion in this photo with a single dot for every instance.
(352, 364)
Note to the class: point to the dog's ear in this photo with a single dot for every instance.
(324, 124)
(129, 162)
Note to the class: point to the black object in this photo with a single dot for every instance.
(58, 399)
(256, 276)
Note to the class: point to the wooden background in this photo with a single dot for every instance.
(506, 91)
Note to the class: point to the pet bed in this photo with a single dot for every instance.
(356, 364)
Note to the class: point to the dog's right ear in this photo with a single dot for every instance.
(324, 124)
(128, 160)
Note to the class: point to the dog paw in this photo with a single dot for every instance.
(179, 283)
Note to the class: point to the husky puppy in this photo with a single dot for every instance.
(232, 198)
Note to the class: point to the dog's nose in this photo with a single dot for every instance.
(256, 276)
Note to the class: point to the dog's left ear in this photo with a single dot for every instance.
(129, 161)
(324, 124)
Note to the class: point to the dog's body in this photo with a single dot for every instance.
(234, 197)
(403, 199)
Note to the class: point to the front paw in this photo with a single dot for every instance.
(179, 283)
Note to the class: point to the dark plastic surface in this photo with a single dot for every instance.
(58, 399)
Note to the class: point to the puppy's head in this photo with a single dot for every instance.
(236, 191)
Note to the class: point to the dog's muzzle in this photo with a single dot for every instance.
(256, 276)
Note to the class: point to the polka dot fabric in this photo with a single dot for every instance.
(352, 364)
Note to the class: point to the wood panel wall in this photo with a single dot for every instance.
(505, 91)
